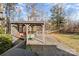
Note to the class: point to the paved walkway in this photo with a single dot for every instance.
(18, 52)
(62, 45)
(49, 50)
(50, 40)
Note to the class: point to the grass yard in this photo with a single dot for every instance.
(71, 40)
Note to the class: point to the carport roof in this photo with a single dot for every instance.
(27, 22)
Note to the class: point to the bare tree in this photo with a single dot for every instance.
(34, 13)
(8, 8)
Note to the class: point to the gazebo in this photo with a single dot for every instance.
(21, 24)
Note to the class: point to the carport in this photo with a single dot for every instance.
(21, 24)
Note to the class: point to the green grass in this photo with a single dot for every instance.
(71, 40)
(71, 36)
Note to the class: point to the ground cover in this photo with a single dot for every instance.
(71, 40)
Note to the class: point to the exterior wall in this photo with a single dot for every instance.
(1, 13)
(1, 7)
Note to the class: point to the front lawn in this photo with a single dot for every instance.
(71, 40)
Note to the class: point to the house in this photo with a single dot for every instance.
(1, 14)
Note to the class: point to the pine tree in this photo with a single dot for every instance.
(57, 17)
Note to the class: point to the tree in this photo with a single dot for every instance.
(8, 8)
(58, 17)
(34, 13)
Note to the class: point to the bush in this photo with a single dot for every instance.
(5, 42)
(2, 31)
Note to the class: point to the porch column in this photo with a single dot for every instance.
(11, 28)
(26, 34)
(43, 33)
(20, 28)
(32, 29)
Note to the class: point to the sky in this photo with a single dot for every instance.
(71, 9)
(45, 8)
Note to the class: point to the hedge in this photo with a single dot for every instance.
(5, 42)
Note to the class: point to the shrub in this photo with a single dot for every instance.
(5, 42)
(2, 31)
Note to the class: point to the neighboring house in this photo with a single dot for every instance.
(1, 14)
(2, 18)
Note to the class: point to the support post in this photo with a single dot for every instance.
(11, 28)
(32, 29)
(43, 32)
(26, 34)
(20, 28)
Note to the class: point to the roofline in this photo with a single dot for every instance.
(27, 22)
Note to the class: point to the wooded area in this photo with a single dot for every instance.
(62, 23)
